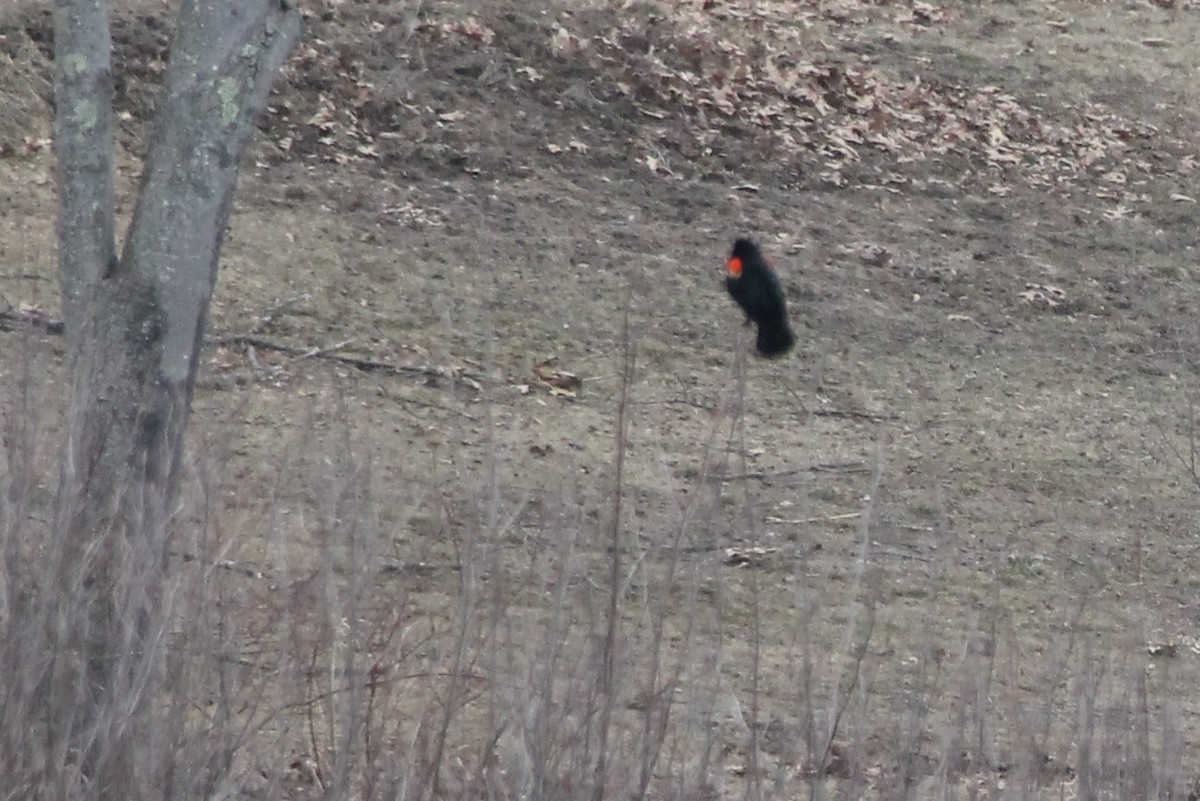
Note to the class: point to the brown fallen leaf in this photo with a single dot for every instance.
(561, 383)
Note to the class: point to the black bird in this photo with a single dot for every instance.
(753, 284)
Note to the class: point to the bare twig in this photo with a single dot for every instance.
(425, 404)
(471, 379)
(608, 670)
(12, 319)
(854, 414)
(319, 353)
(828, 467)
(901, 554)
(805, 520)
(244, 568)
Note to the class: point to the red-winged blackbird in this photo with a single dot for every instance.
(752, 283)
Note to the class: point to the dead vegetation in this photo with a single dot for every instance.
(945, 551)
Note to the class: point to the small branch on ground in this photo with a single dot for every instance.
(244, 568)
(901, 554)
(854, 414)
(829, 467)
(472, 379)
(424, 404)
(419, 568)
(320, 353)
(807, 520)
(12, 319)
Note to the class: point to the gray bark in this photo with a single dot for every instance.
(83, 144)
(135, 327)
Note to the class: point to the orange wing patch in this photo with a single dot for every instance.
(734, 267)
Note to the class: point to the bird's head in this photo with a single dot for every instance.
(743, 251)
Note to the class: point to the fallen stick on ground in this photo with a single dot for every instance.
(471, 379)
(829, 467)
(12, 319)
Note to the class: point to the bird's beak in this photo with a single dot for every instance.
(734, 267)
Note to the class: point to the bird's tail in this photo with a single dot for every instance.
(775, 340)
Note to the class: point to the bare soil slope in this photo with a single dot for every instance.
(984, 216)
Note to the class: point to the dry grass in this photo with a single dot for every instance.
(572, 656)
(945, 565)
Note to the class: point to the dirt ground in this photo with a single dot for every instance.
(984, 216)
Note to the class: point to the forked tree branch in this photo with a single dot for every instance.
(224, 57)
(134, 329)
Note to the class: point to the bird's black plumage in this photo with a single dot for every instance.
(755, 287)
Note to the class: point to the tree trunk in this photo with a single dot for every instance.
(134, 328)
